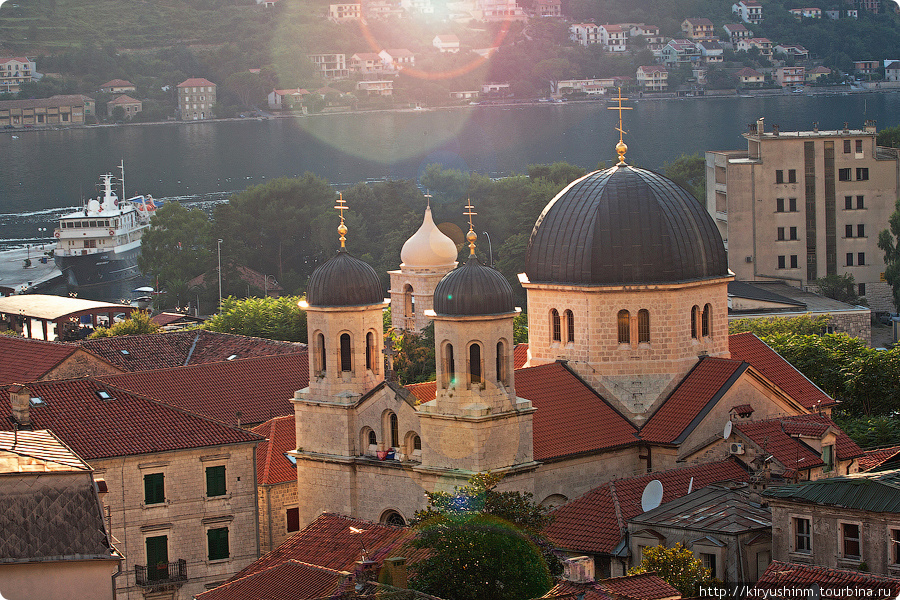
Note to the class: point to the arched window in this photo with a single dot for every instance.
(570, 326)
(707, 320)
(409, 301)
(373, 439)
(449, 366)
(393, 518)
(624, 322)
(555, 326)
(370, 351)
(643, 326)
(501, 362)
(395, 430)
(346, 363)
(320, 346)
(694, 322)
(475, 363)
(417, 443)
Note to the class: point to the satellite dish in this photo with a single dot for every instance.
(652, 496)
(727, 432)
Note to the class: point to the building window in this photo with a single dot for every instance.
(828, 458)
(154, 488)
(860, 202)
(449, 365)
(862, 174)
(624, 326)
(780, 236)
(792, 204)
(802, 535)
(850, 541)
(862, 289)
(792, 176)
(793, 233)
(475, 364)
(370, 351)
(570, 326)
(861, 230)
(848, 202)
(373, 439)
(217, 543)
(860, 259)
(395, 430)
(779, 176)
(845, 174)
(846, 146)
(292, 516)
(695, 321)
(346, 363)
(215, 481)
(709, 562)
(848, 231)
(320, 346)
(707, 320)
(501, 363)
(779, 204)
(782, 262)
(555, 325)
(417, 443)
(794, 261)
(895, 547)
(157, 555)
(849, 259)
(859, 146)
(643, 326)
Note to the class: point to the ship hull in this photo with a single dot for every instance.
(99, 269)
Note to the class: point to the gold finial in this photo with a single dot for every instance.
(471, 236)
(428, 199)
(621, 148)
(342, 229)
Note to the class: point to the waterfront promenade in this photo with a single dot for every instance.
(14, 275)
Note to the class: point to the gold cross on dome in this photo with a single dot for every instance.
(342, 229)
(621, 148)
(471, 236)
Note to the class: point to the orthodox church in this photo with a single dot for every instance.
(629, 366)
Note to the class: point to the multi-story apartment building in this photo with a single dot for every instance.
(344, 12)
(330, 66)
(650, 33)
(15, 71)
(55, 110)
(382, 87)
(653, 78)
(699, 30)
(679, 52)
(584, 33)
(548, 8)
(500, 10)
(614, 37)
(764, 45)
(735, 32)
(796, 206)
(806, 13)
(793, 50)
(196, 97)
(790, 76)
(750, 11)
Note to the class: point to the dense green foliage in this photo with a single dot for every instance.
(483, 544)
(678, 566)
(839, 287)
(889, 243)
(271, 318)
(690, 173)
(137, 324)
(413, 360)
(802, 325)
(871, 432)
(889, 137)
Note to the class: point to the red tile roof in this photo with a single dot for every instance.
(117, 83)
(329, 542)
(195, 81)
(749, 348)
(423, 392)
(179, 348)
(272, 466)
(571, 590)
(873, 459)
(289, 580)
(125, 425)
(691, 400)
(594, 522)
(259, 388)
(25, 360)
(646, 586)
(520, 355)
(570, 418)
(782, 574)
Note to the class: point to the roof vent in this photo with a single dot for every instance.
(232, 357)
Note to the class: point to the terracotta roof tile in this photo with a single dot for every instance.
(195, 81)
(749, 348)
(26, 360)
(125, 425)
(289, 580)
(259, 388)
(570, 418)
(780, 574)
(520, 355)
(423, 392)
(590, 523)
(179, 348)
(646, 586)
(873, 459)
(272, 466)
(571, 590)
(328, 542)
(117, 83)
(698, 392)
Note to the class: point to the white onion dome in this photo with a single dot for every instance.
(428, 247)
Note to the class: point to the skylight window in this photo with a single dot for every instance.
(293, 459)
(124, 352)
(37, 401)
(232, 357)
(103, 395)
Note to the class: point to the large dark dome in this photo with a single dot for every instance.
(344, 280)
(473, 289)
(624, 225)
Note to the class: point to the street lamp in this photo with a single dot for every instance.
(490, 249)
(219, 247)
(41, 232)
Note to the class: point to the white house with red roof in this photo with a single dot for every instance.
(14, 71)
(196, 98)
(446, 43)
(117, 86)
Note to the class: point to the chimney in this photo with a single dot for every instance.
(816, 126)
(579, 569)
(846, 127)
(760, 126)
(870, 125)
(20, 401)
(364, 572)
(775, 129)
(394, 572)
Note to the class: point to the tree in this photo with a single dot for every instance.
(177, 245)
(678, 566)
(413, 360)
(690, 173)
(137, 324)
(889, 243)
(483, 544)
(838, 287)
(270, 318)
(889, 137)
(802, 325)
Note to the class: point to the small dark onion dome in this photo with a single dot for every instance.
(473, 289)
(623, 226)
(344, 280)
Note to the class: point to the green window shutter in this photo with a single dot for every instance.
(217, 542)
(154, 488)
(215, 481)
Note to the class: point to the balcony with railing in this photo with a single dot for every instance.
(163, 575)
